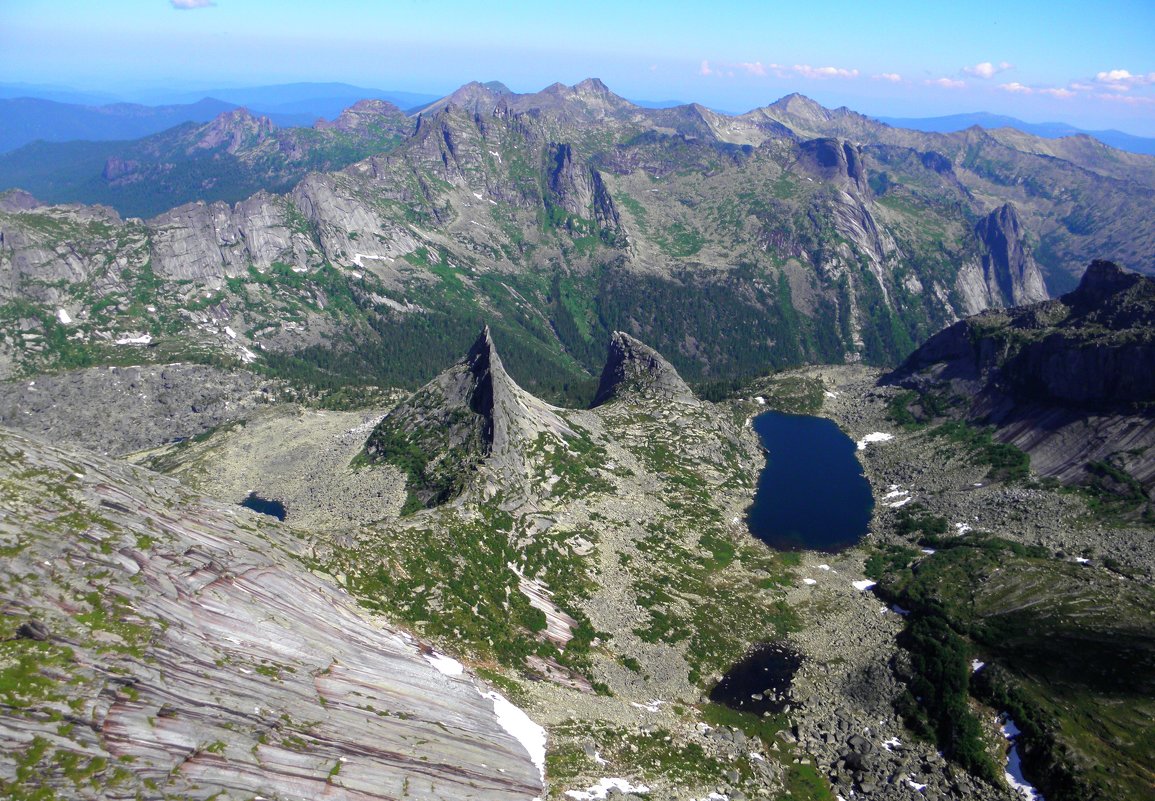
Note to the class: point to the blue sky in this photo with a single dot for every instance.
(1092, 65)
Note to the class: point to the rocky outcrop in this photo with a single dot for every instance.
(172, 646)
(119, 410)
(635, 369)
(1068, 380)
(834, 160)
(579, 189)
(234, 130)
(1007, 274)
(470, 422)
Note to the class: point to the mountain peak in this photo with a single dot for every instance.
(801, 106)
(233, 128)
(471, 420)
(593, 85)
(632, 367)
(360, 115)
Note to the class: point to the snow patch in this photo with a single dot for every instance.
(357, 259)
(1014, 769)
(824, 567)
(901, 503)
(522, 729)
(143, 339)
(652, 706)
(928, 551)
(892, 744)
(759, 400)
(961, 528)
(446, 665)
(877, 436)
(863, 585)
(63, 316)
(230, 333)
(809, 581)
(895, 493)
(916, 785)
(602, 789)
(977, 665)
(830, 394)
(1082, 560)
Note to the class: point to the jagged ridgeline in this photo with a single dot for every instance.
(733, 245)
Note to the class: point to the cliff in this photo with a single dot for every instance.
(1067, 380)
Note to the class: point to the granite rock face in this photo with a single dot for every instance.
(471, 418)
(1007, 274)
(634, 368)
(160, 644)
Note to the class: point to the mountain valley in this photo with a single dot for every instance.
(499, 372)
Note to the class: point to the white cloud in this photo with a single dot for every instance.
(760, 70)
(1016, 87)
(1130, 100)
(185, 5)
(1122, 80)
(946, 83)
(893, 77)
(806, 71)
(986, 69)
(1058, 92)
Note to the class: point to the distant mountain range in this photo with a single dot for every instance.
(29, 113)
(1047, 130)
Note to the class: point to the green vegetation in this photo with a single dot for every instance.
(1069, 652)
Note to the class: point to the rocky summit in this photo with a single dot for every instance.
(633, 367)
(473, 416)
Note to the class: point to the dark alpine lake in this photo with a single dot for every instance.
(760, 681)
(264, 506)
(812, 494)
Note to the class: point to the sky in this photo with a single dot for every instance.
(1088, 64)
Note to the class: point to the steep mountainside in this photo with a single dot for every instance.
(156, 643)
(734, 245)
(227, 158)
(1067, 380)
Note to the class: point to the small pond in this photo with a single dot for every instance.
(264, 506)
(812, 494)
(759, 682)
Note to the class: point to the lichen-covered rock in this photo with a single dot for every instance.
(155, 643)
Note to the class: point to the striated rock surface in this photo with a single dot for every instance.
(471, 418)
(159, 644)
(1067, 380)
(634, 368)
